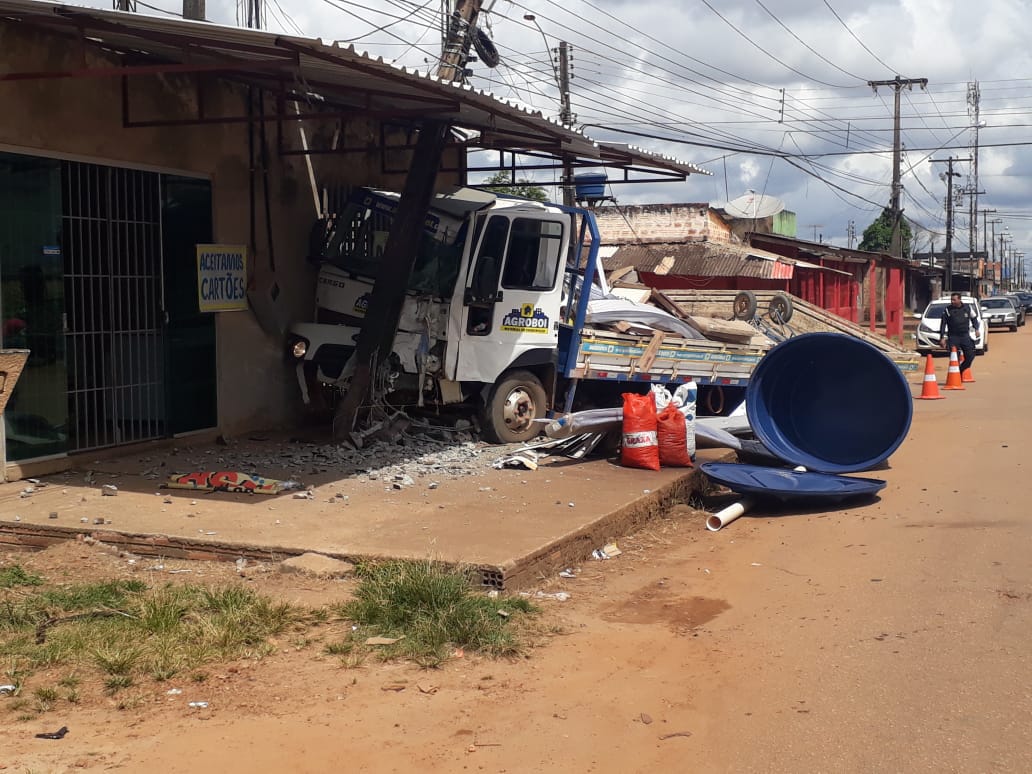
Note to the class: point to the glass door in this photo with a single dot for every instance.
(32, 305)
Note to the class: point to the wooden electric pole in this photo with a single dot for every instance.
(897, 84)
(376, 339)
(949, 175)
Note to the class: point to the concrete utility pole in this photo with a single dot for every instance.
(897, 84)
(949, 175)
(566, 116)
(376, 338)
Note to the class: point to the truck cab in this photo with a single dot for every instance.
(482, 313)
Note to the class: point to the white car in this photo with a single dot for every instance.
(1000, 310)
(928, 335)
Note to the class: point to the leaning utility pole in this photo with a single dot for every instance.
(376, 338)
(950, 174)
(897, 84)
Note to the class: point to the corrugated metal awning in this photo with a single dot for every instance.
(314, 72)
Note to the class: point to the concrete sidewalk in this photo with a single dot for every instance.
(517, 526)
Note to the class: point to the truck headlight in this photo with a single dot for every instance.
(300, 348)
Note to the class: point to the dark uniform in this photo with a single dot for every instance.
(956, 329)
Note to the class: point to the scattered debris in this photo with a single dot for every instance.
(59, 734)
(608, 551)
(429, 689)
(198, 705)
(318, 565)
(676, 733)
(8, 690)
(527, 460)
(174, 692)
(306, 495)
(53, 515)
(383, 640)
(646, 718)
(569, 572)
(396, 687)
(109, 490)
(558, 596)
(229, 481)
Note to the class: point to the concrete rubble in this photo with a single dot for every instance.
(398, 464)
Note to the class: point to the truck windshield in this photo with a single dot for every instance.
(360, 236)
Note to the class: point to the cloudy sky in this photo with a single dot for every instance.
(772, 91)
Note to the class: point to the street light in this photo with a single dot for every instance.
(548, 50)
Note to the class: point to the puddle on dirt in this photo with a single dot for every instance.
(656, 605)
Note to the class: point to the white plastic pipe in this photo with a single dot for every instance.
(720, 519)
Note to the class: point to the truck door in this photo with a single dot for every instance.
(510, 305)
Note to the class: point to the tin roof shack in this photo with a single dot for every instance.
(874, 293)
(691, 246)
(972, 272)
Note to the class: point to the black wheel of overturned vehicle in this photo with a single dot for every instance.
(485, 48)
(515, 402)
(780, 308)
(744, 307)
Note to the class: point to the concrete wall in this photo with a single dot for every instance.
(81, 118)
(660, 223)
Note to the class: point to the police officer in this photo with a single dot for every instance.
(955, 329)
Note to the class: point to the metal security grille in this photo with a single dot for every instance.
(113, 289)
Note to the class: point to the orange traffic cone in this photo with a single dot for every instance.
(930, 390)
(953, 380)
(967, 376)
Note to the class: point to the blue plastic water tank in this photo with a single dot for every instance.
(590, 185)
(829, 402)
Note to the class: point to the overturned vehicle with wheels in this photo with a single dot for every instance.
(507, 310)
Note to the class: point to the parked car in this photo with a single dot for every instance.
(931, 319)
(999, 312)
(1020, 306)
(1024, 301)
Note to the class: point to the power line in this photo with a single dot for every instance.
(806, 45)
(853, 34)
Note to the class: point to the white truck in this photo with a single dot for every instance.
(494, 314)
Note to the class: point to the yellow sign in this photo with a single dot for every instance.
(221, 278)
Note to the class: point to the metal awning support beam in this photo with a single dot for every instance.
(231, 67)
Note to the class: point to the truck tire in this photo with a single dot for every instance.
(744, 307)
(780, 308)
(513, 405)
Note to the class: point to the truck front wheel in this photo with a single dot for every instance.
(515, 402)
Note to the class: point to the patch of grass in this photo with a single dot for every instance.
(116, 659)
(16, 575)
(116, 683)
(45, 698)
(71, 681)
(434, 609)
(121, 630)
(110, 595)
(341, 648)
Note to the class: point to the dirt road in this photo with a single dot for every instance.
(892, 637)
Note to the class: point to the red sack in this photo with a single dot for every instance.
(673, 438)
(640, 447)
